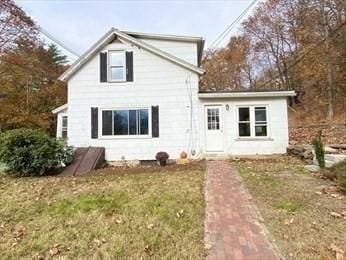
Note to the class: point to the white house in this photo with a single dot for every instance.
(137, 94)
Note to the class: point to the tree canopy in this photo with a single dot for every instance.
(288, 44)
(29, 88)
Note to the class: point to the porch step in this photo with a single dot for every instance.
(85, 160)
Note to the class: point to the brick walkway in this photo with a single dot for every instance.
(232, 226)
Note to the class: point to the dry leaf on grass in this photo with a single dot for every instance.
(119, 221)
(150, 226)
(335, 214)
(148, 250)
(19, 234)
(289, 222)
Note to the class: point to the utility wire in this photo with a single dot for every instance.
(222, 36)
(52, 38)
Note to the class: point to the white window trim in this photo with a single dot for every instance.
(59, 124)
(109, 71)
(62, 125)
(253, 122)
(149, 135)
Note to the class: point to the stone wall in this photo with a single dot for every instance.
(331, 134)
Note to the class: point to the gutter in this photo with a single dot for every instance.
(246, 94)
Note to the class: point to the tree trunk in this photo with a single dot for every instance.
(329, 76)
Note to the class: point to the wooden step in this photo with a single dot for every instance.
(85, 160)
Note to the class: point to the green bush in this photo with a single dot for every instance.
(27, 152)
(319, 150)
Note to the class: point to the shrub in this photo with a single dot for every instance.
(27, 152)
(319, 149)
(162, 157)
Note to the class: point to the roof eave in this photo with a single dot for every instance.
(59, 109)
(104, 39)
(247, 94)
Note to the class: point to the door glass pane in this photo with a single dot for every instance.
(133, 128)
(261, 130)
(116, 59)
(244, 114)
(107, 122)
(144, 122)
(244, 129)
(121, 122)
(213, 118)
(260, 114)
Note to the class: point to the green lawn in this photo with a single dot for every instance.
(296, 207)
(129, 213)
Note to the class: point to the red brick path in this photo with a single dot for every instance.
(232, 228)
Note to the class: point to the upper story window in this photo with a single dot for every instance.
(117, 66)
(253, 121)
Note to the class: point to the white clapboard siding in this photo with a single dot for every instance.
(156, 82)
(277, 140)
(183, 50)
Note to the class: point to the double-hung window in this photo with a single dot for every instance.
(117, 66)
(64, 127)
(253, 121)
(125, 122)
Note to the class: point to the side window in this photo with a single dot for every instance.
(244, 121)
(252, 121)
(64, 127)
(260, 121)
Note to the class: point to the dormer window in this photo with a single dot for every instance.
(117, 66)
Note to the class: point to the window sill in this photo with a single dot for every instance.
(254, 139)
(124, 137)
(117, 82)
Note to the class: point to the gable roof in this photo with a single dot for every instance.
(170, 37)
(129, 37)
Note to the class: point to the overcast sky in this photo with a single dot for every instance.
(78, 24)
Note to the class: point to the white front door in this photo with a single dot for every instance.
(213, 129)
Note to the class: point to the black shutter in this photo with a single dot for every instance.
(155, 121)
(103, 67)
(129, 66)
(94, 123)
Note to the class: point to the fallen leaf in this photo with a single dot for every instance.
(207, 246)
(98, 242)
(335, 214)
(148, 250)
(119, 221)
(150, 226)
(54, 251)
(289, 222)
